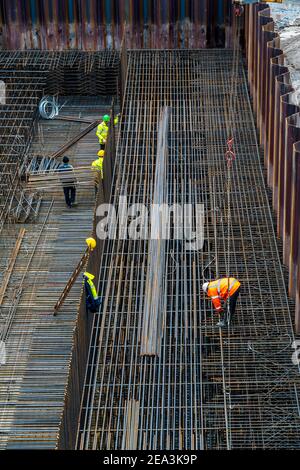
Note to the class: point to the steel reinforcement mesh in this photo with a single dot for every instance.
(207, 388)
(27, 76)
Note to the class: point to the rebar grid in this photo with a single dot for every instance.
(23, 91)
(27, 76)
(207, 389)
(49, 60)
(33, 382)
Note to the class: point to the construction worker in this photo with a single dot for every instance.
(91, 243)
(97, 167)
(103, 128)
(68, 181)
(92, 299)
(222, 289)
(102, 131)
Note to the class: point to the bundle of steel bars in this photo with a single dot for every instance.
(49, 60)
(153, 310)
(207, 388)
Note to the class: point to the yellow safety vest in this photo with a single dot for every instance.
(93, 289)
(98, 165)
(102, 132)
(89, 278)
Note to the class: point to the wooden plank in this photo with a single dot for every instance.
(75, 139)
(71, 281)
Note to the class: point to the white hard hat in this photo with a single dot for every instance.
(205, 286)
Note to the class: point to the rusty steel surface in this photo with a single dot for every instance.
(100, 24)
(278, 122)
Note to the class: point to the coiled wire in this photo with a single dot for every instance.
(48, 107)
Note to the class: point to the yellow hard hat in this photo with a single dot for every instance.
(91, 243)
(89, 275)
(101, 153)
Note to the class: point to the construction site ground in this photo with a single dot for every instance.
(205, 388)
(39, 346)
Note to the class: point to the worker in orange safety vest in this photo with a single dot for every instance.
(222, 289)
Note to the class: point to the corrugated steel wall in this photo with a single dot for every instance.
(278, 120)
(99, 24)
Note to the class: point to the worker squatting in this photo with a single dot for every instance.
(220, 290)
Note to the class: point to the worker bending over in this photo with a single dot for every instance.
(97, 167)
(222, 289)
(103, 128)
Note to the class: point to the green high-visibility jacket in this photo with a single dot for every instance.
(102, 132)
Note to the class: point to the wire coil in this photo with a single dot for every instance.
(48, 107)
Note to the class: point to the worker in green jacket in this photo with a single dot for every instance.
(97, 167)
(103, 128)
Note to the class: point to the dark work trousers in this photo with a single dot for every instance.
(102, 146)
(70, 195)
(232, 305)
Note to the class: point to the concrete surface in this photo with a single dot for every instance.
(287, 20)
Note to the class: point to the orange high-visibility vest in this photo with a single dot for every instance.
(221, 289)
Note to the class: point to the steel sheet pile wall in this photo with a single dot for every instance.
(278, 120)
(99, 24)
